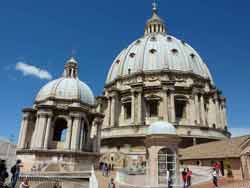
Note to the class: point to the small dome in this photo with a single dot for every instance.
(161, 127)
(68, 87)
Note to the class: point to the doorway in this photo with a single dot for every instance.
(167, 167)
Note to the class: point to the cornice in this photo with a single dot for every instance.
(159, 73)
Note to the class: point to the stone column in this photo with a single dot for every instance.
(82, 144)
(75, 142)
(113, 111)
(99, 131)
(139, 119)
(192, 115)
(225, 114)
(164, 109)
(248, 166)
(23, 132)
(133, 107)
(197, 110)
(202, 111)
(41, 130)
(222, 125)
(218, 123)
(69, 133)
(172, 107)
(20, 134)
(109, 112)
(48, 132)
(36, 131)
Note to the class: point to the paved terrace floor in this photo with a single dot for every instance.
(223, 182)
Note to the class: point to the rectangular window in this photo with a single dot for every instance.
(127, 110)
(180, 107)
(153, 108)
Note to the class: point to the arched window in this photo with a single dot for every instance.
(60, 129)
(166, 166)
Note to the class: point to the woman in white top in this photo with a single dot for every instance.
(24, 184)
(215, 178)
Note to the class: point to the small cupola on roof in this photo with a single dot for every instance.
(71, 68)
(155, 24)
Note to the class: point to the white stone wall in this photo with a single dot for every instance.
(197, 92)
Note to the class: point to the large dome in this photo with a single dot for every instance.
(157, 51)
(68, 87)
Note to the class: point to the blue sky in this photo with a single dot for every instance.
(43, 34)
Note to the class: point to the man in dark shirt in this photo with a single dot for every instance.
(15, 170)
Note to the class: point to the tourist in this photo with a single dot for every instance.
(184, 178)
(215, 178)
(3, 172)
(189, 177)
(24, 184)
(100, 165)
(107, 169)
(110, 167)
(103, 169)
(111, 183)
(15, 170)
(168, 178)
(217, 167)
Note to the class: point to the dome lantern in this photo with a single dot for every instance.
(71, 68)
(155, 24)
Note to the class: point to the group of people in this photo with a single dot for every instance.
(15, 171)
(106, 168)
(186, 177)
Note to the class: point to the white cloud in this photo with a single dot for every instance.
(30, 70)
(239, 131)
